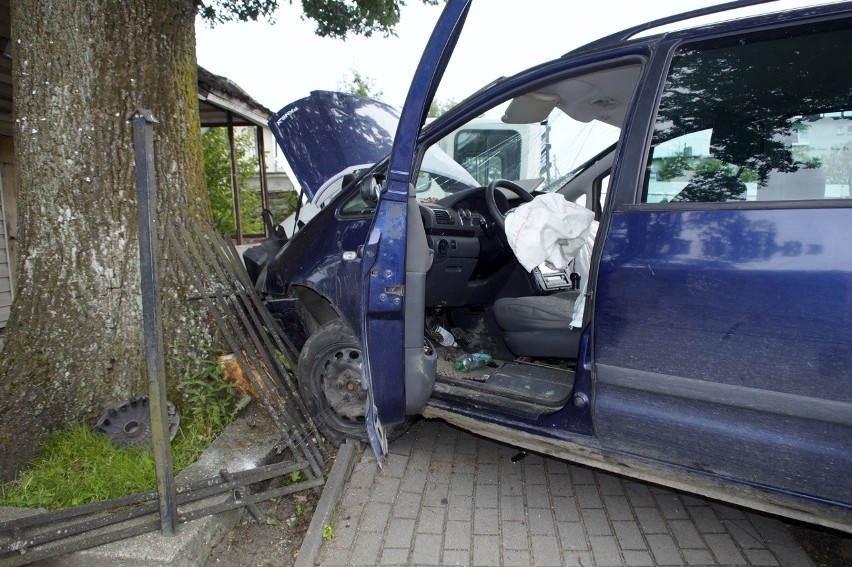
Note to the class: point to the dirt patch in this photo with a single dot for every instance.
(826, 548)
(272, 540)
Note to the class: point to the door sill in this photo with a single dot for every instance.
(516, 388)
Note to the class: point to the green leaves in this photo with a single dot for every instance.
(217, 173)
(360, 85)
(220, 11)
(334, 18)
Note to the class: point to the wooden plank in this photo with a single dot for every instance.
(4, 315)
(5, 285)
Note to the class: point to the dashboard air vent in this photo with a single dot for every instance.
(442, 216)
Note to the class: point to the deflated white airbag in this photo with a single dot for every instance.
(548, 229)
(552, 230)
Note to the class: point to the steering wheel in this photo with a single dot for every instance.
(491, 201)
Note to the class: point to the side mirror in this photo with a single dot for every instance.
(370, 189)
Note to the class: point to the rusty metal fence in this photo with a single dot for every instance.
(218, 279)
(251, 334)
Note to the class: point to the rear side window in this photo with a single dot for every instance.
(760, 117)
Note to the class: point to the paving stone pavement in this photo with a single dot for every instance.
(446, 497)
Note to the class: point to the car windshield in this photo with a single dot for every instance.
(543, 155)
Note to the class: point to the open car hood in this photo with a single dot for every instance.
(327, 132)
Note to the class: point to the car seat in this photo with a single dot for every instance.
(539, 326)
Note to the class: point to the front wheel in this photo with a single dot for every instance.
(329, 373)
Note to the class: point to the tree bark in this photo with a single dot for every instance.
(74, 341)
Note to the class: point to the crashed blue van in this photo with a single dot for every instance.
(667, 296)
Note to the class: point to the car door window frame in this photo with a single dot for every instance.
(631, 180)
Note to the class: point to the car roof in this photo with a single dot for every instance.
(630, 34)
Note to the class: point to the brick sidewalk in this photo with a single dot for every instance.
(447, 497)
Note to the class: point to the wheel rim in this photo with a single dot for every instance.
(340, 376)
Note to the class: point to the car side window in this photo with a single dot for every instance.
(759, 117)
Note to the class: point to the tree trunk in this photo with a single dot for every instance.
(74, 341)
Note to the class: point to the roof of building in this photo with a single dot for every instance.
(217, 96)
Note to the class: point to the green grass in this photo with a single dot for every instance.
(78, 466)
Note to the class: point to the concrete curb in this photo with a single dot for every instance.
(340, 471)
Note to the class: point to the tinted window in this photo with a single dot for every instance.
(763, 117)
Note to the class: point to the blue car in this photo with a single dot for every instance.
(655, 258)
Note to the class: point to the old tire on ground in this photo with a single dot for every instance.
(329, 374)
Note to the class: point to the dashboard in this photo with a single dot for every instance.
(469, 248)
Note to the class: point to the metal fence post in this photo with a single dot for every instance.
(146, 199)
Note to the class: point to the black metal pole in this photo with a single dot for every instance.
(146, 199)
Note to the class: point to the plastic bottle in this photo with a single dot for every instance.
(471, 361)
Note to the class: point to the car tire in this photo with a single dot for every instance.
(329, 373)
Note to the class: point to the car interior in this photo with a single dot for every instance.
(476, 288)
(740, 140)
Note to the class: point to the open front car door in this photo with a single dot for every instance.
(396, 257)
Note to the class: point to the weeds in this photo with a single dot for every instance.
(207, 397)
(294, 477)
(327, 529)
(303, 510)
